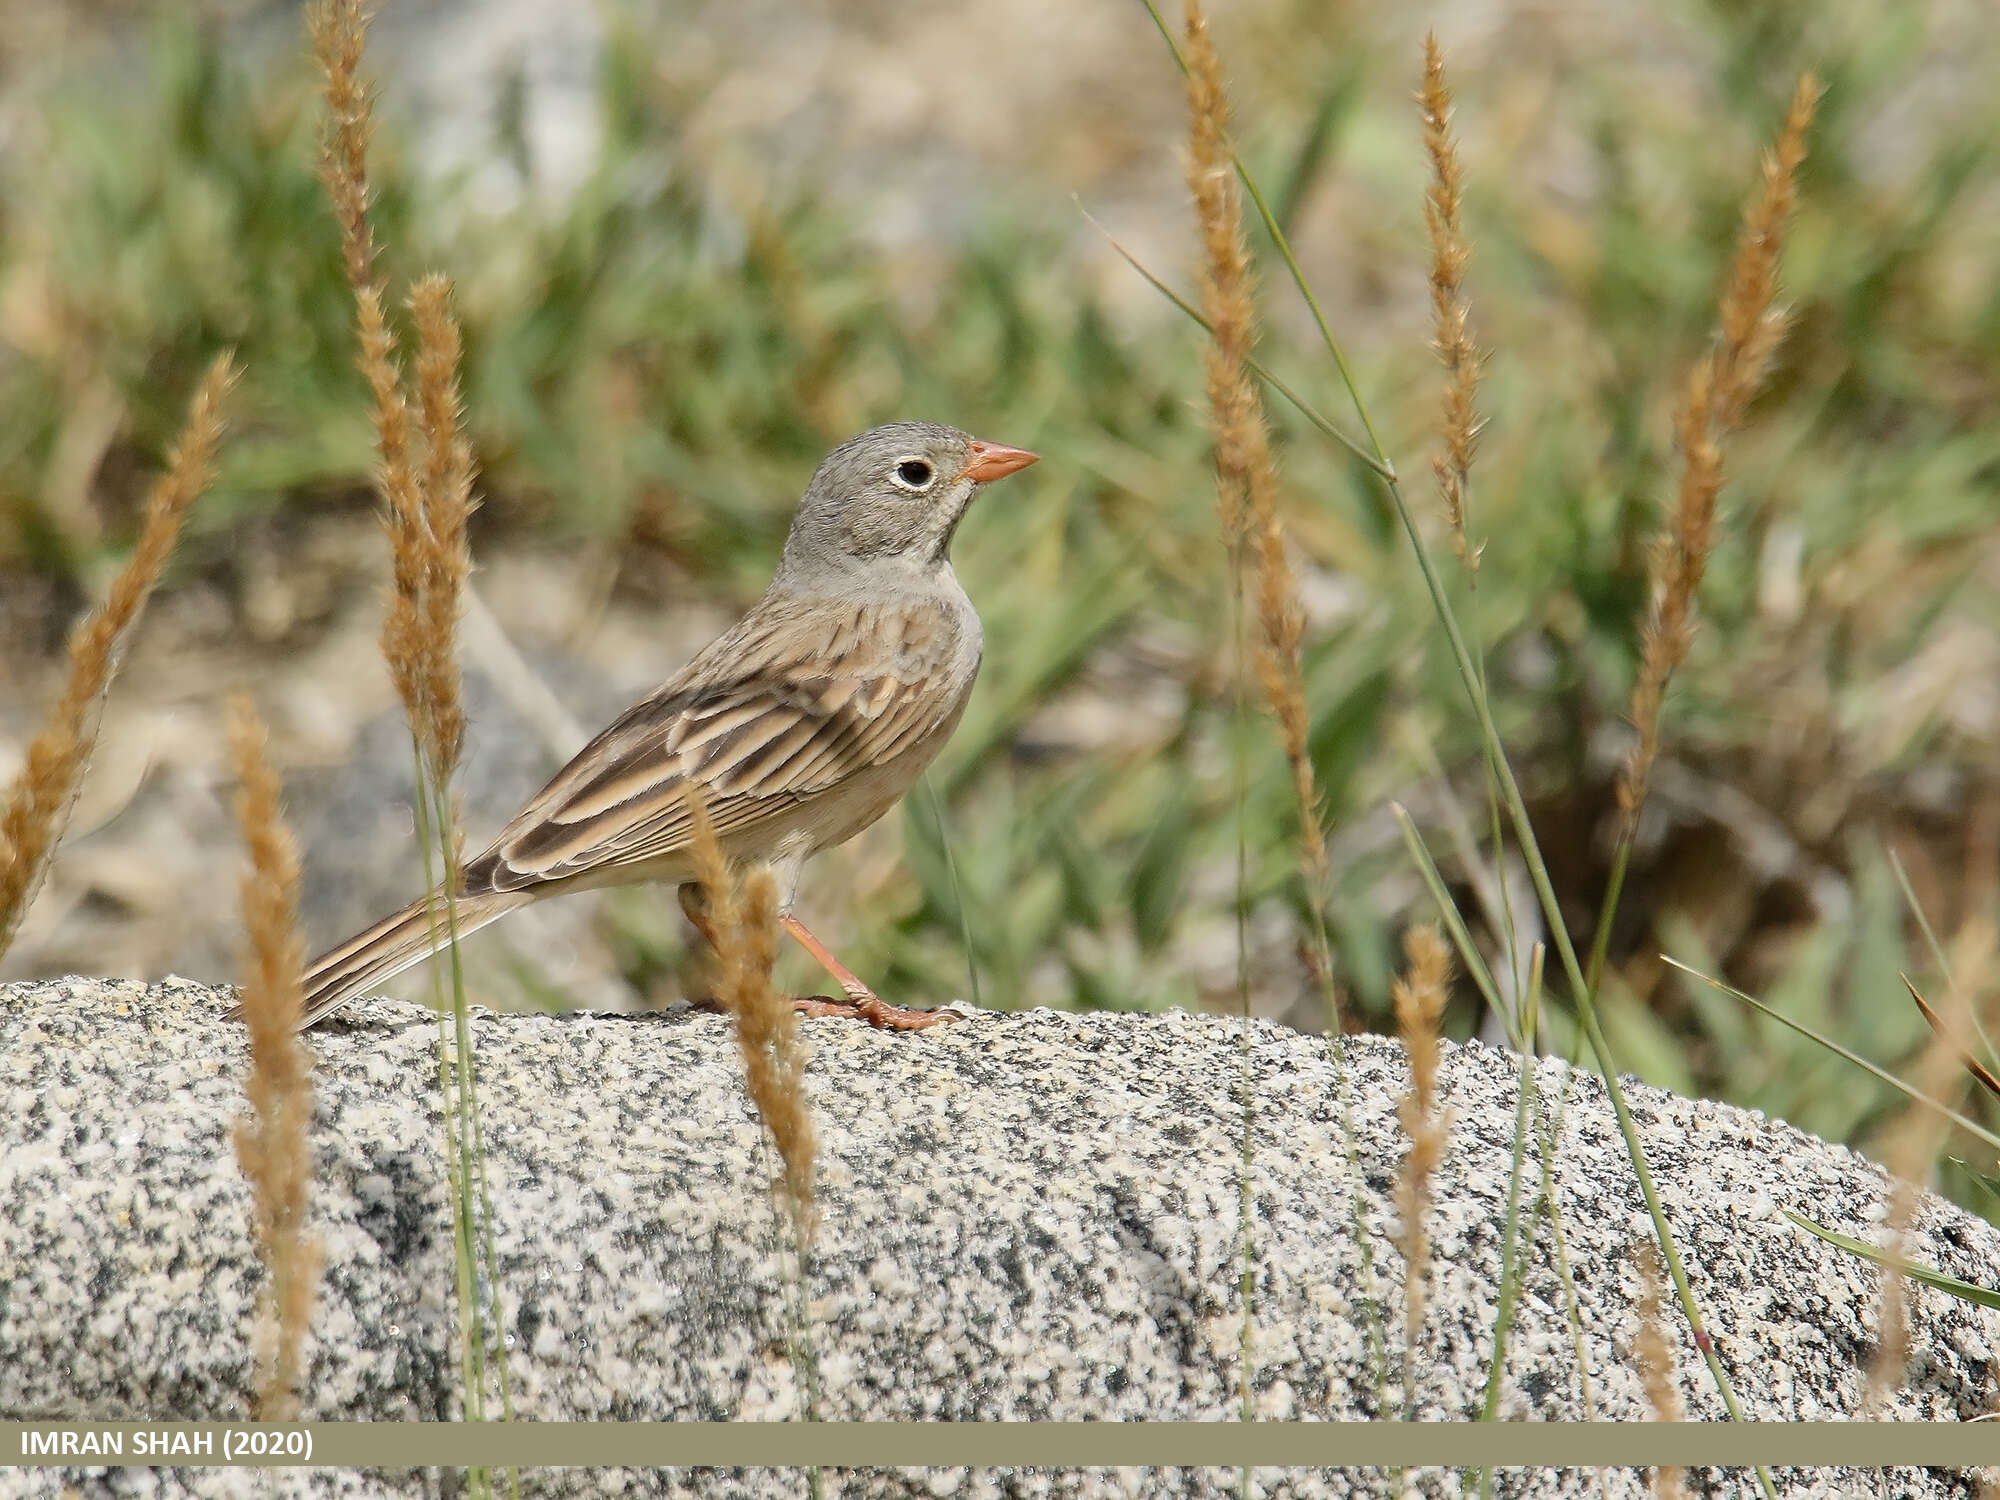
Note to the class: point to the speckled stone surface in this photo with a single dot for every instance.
(1029, 1215)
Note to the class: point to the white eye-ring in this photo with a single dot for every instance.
(913, 473)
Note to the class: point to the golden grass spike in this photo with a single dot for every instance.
(1912, 1145)
(38, 803)
(272, 1139)
(447, 500)
(711, 865)
(1718, 391)
(1246, 481)
(402, 495)
(1653, 1351)
(1227, 285)
(1419, 995)
(339, 30)
(1677, 562)
(767, 1033)
(744, 929)
(1451, 317)
(1749, 332)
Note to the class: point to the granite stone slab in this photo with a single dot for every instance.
(1031, 1215)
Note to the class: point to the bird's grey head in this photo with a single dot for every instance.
(894, 495)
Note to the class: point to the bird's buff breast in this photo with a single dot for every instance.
(844, 811)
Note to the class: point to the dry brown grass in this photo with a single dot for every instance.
(1246, 480)
(428, 672)
(1913, 1143)
(1718, 391)
(1450, 315)
(1653, 1352)
(1420, 995)
(38, 803)
(339, 30)
(424, 463)
(272, 1139)
(744, 927)
(424, 471)
(1236, 415)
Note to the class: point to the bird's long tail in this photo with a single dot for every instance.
(392, 945)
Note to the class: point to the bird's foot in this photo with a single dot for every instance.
(872, 1008)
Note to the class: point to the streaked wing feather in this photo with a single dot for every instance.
(762, 720)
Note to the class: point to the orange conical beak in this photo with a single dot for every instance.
(992, 461)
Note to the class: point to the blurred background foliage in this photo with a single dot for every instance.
(661, 347)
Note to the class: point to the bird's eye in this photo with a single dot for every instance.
(914, 472)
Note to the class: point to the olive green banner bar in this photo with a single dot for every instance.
(1006, 1444)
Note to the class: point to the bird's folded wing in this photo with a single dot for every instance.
(753, 741)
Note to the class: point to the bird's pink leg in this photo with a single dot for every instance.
(862, 1002)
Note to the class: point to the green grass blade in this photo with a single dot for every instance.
(1938, 955)
(1512, 1251)
(957, 890)
(1915, 1095)
(1468, 951)
(1382, 465)
(1517, 813)
(1305, 408)
(1917, 911)
(1985, 1182)
(1917, 1271)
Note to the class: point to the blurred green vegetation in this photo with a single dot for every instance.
(658, 361)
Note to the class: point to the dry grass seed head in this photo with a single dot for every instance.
(1718, 391)
(1749, 332)
(711, 864)
(745, 927)
(447, 509)
(1246, 479)
(1451, 317)
(1653, 1352)
(1280, 676)
(1419, 994)
(425, 495)
(1677, 560)
(767, 1033)
(1227, 286)
(272, 1139)
(38, 803)
(339, 31)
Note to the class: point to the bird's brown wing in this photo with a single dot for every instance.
(783, 709)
